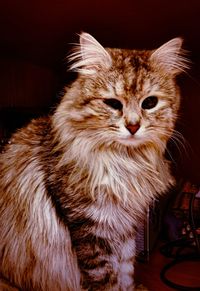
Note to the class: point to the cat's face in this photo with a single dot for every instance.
(131, 106)
(126, 98)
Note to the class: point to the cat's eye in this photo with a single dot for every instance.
(114, 103)
(149, 102)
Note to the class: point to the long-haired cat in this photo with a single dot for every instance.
(74, 185)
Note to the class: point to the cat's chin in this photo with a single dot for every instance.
(130, 141)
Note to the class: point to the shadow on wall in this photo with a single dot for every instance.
(25, 85)
(186, 151)
(27, 91)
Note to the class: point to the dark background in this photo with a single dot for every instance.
(36, 36)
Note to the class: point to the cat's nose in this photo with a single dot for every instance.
(132, 128)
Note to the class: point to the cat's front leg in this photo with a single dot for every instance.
(141, 288)
(126, 265)
(95, 259)
(102, 266)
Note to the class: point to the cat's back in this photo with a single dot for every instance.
(32, 237)
(20, 158)
(24, 146)
(22, 176)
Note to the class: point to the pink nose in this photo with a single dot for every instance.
(132, 128)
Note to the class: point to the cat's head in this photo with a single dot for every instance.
(123, 97)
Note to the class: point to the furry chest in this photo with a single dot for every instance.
(111, 218)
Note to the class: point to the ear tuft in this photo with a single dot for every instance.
(89, 56)
(171, 56)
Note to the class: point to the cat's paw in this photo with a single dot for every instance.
(5, 286)
(141, 288)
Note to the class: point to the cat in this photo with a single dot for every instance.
(74, 185)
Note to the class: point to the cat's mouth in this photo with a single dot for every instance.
(131, 140)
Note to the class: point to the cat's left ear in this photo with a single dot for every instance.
(171, 57)
(89, 56)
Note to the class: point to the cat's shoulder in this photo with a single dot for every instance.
(30, 135)
(38, 125)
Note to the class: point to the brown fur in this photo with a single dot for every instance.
(74, 185)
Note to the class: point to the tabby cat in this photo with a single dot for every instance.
(74, 185)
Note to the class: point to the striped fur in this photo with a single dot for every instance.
(75, 185)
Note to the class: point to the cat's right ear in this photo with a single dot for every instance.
(89, 56)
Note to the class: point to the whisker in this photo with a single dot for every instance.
(178, 140)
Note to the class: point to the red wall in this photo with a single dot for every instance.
(25, 85)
